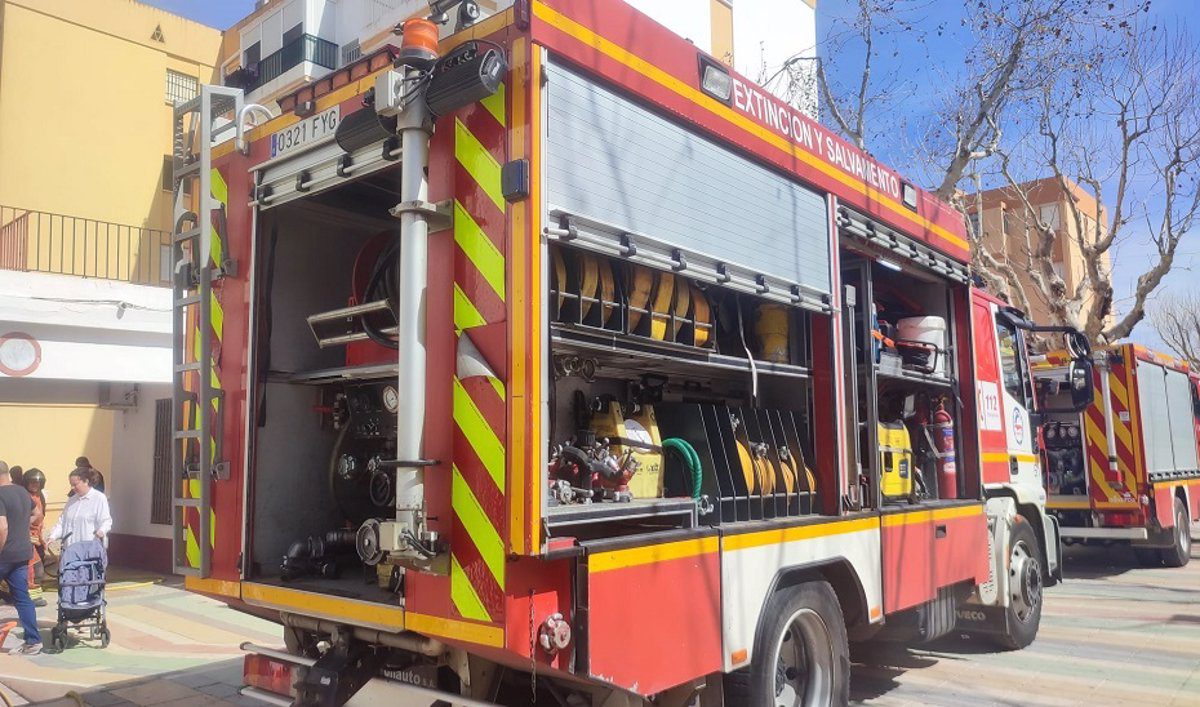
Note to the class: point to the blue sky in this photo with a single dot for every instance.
(221, 14)
(926, 63)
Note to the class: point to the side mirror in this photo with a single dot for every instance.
(1077, 345)
(1081, 386)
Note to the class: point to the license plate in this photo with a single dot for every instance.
(308, 130)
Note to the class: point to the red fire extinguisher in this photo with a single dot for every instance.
(943, 439)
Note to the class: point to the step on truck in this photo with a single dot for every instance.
(549, 358)
(1126, 470)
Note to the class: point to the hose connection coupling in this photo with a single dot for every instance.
(555, 634)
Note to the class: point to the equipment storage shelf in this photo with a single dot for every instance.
(913, 377)
(662, 414)
(324, 376)
(626, 353)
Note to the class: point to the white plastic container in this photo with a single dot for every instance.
(928, 330)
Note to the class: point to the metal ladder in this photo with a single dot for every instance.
(197, 451)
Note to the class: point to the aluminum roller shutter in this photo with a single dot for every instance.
(1183, 433)
(613, 161)
(1156, 427)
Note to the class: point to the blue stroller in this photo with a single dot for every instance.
(81, 601)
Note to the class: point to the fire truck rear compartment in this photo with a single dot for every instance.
(311, 487)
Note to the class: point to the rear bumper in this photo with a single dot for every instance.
(1127, 534)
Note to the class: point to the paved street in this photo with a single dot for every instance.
(1112, 634)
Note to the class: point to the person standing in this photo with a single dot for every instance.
(86, 515)
(16, 509)
(33, 482)
(97, 478)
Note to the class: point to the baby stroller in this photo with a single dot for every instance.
(81, 599)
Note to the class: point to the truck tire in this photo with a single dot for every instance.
(1181, 550)
(801, 653)
(1024, 610)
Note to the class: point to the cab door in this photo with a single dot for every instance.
(1016, 398)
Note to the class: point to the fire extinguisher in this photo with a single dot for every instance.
(943, 440)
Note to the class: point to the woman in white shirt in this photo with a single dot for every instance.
(86, 515)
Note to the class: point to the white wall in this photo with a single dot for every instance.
(691, 19)
(85, 329)
(770, 32)
(130, 480)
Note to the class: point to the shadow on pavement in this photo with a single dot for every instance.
(213, 684)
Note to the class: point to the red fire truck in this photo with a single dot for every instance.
(1126, 469)
(555, 358)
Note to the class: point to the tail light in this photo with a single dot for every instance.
(272, 675)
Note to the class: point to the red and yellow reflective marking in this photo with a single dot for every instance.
(478, 486)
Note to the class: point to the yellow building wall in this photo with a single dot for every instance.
(85, 124)
(50, 437)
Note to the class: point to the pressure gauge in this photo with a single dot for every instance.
(391, 399)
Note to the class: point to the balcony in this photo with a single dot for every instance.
(305, 48)
(39, 241)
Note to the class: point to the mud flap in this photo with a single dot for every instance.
(980, 619)
(1054, 550)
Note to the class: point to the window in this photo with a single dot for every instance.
(1049, 215)
(351, 52)
(1005, 222)
(252, 55)
(181, 87)
(976, 229)
(293, 34)
(160, 498)
(1010, 362)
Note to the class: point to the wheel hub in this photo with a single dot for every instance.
(804, 662)
(1025, 581)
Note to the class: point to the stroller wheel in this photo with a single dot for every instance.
(105, 637)
(58, 639)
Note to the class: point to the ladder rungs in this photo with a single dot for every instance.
(187, 301)
(187, 434)
(187, 170)
(190, 106)
(187, 502)
(186, 235)
(185, 367)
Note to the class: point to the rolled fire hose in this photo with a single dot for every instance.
(690, 459)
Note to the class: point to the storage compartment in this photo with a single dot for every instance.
(674, 402)
(325, 398)
(903, 342)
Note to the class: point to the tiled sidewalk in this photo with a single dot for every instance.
(158, 629)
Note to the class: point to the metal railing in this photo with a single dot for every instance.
(39, 241)
(306, 47)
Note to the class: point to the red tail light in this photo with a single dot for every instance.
(271, 675)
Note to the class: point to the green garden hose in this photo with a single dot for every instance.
(692, 460)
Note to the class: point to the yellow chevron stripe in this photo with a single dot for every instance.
(465, 314)
(217, 316)
(1118, 389)
(495, 105)
(1096, 438)
(1124, 438)
(479, 249)
(191, 548)
(478, 162)
(463, 594)
(479, 526)
(479, 433)
(498, 386)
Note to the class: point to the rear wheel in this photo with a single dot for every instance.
(801, 653)
(1181, 549)
(105, 637)
(1024, 587)
(58, 638)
